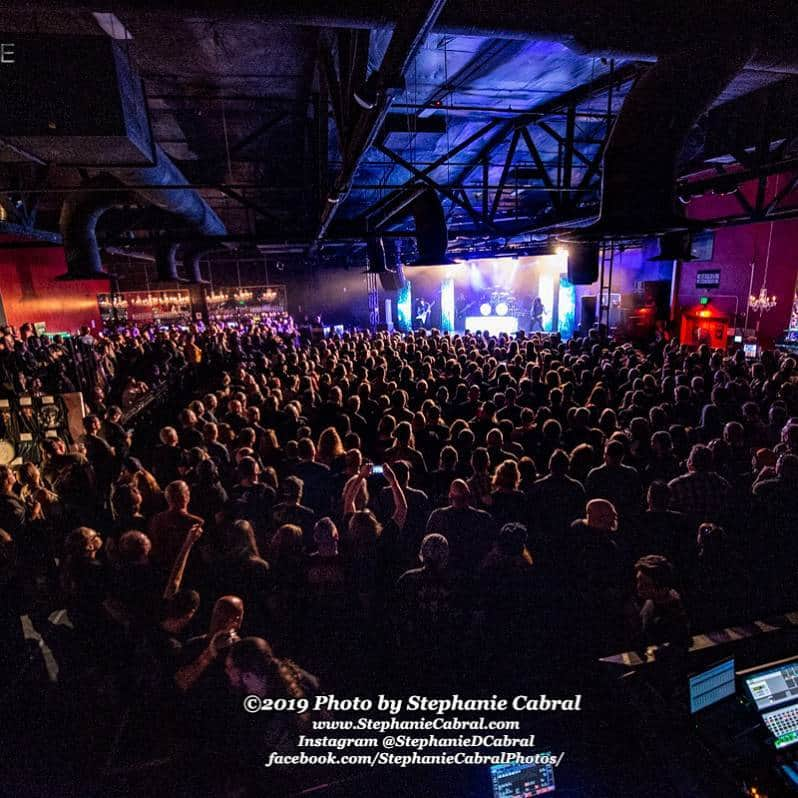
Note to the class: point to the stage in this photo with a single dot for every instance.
(494, 295)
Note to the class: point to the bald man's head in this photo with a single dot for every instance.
(459, 493)
(601, 515)
(228, 613)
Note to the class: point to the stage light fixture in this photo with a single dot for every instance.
(485, 309)
(501, 309)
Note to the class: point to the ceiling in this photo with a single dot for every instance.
(246, 104)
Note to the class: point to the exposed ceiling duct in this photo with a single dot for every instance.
(166, 262)
(640, 161)
(82, 210)
(192, 254)
(187, 204)
(78, 224)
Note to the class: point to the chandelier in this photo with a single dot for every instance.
(151, 301)
(269, 295)
(114, 302)
(216, 298)
(242, 295)
(763, 302)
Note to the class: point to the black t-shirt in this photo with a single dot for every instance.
(470, 533)
(429, 608)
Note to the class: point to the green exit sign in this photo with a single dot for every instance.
(704, 300)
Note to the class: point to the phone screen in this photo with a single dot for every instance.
(377, 470)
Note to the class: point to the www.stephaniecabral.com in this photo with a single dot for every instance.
(393, 738)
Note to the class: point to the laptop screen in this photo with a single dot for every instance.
(712, 685)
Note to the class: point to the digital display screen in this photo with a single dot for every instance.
(773, 687)
(521, 781)
(711, 686)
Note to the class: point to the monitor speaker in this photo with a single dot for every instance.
(583, 263)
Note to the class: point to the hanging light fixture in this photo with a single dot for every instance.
(242, 295)
(763, 302)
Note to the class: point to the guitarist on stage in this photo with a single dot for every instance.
(536, 315)
(423, 312)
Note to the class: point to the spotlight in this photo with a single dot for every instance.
(561, 251)
(501, 309)
(485, 309)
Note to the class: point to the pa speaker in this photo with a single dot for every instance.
(583, 263)
(432, 237)
(375, 249)
(393, 280)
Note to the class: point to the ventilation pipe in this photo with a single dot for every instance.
(166, 262)
(183, 202)
(640, 162)
(78, 224)
(82, 210)
(192, 254)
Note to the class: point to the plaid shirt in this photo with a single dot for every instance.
(703, 495)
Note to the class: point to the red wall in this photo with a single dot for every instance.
(735, 248)
(30, 292)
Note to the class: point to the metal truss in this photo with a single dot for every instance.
(555, 178)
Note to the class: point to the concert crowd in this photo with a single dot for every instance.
(368, 509)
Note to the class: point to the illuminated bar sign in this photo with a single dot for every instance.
(707, 278)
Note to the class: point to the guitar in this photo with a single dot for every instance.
(422, 317)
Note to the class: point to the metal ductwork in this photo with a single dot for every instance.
(78, 224)
(166, 262)
(81, 212)
(192, 254)
(640, 162)
(183, 202)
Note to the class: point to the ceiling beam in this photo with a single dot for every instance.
(613, 78)
(452, 195)
(410, 33)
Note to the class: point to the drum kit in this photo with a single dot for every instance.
(500, 302)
